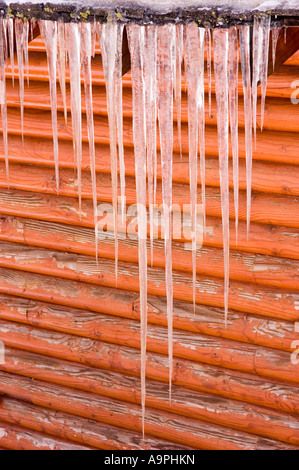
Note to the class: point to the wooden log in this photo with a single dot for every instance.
(280, 115)
(287, 46)
(207, 321)
(80, 430)
(17, 438)
(234, 414)
(190, 432)
(275, 146)
(212, 351)
(245, 267)
(260, 300)
(270, 240)
(210, 384)
(267, 177)
(266, 208)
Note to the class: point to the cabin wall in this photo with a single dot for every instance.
(70, 378)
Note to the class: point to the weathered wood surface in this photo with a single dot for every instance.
(193, 404)
(267, 177)
(84, 431)
(186, 431)
(17, 438)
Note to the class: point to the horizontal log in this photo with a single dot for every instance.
(17, 438)
(270, 240)
(280, 114)
(267, 177)
(81, 430)
(206, 400)
(275, 146)
(278, 83)
(207, 321)
(187, 431)
(198, 405)
(213, 351)
(245, 267)
(260, 300)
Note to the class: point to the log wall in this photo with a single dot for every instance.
(72, 341)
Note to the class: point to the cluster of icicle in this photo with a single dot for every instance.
(157, 57)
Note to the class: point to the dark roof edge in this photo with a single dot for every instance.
(205, 17)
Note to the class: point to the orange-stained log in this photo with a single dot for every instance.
(17, 438)
(216, 383)
(267, 177)
(266, 208)
(206, 320)
(186, 431)
(245, 267)
(272, 145)
(234, 414)
(260, 300)
(73, 428)
(213, 351)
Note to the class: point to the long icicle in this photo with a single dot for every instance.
(61, 64)
(50, 38)
(136, 45)
(233, 70)
(246, 73)
(19, 32)
(86, 53)
(25, 47)
(118, 111)
(220, 38)
(11, 47)
(110, 39)
(209, 67)
(165, 61)
(275, 36)
(73, 47)
(265, 27)
(3, 101)
(256, 68)
(194, 55)
(149, 70)
(178, 88)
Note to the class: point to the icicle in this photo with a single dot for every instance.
(61, 65)
(194, 55)
(265, 27)
(25, 47)
(4, 27)
(221, 37)
(165, 61)
(11, 47)
(261, 38)
(86, 53)
(50, 38)
(3, 98)
(256, 69)
(111, 48)
(73, 47)
(19, 32)
(149, 76)
(136, 45)
(209, 67)
(233, 106)
(178, 88)
(275, 37)
(246, 72)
